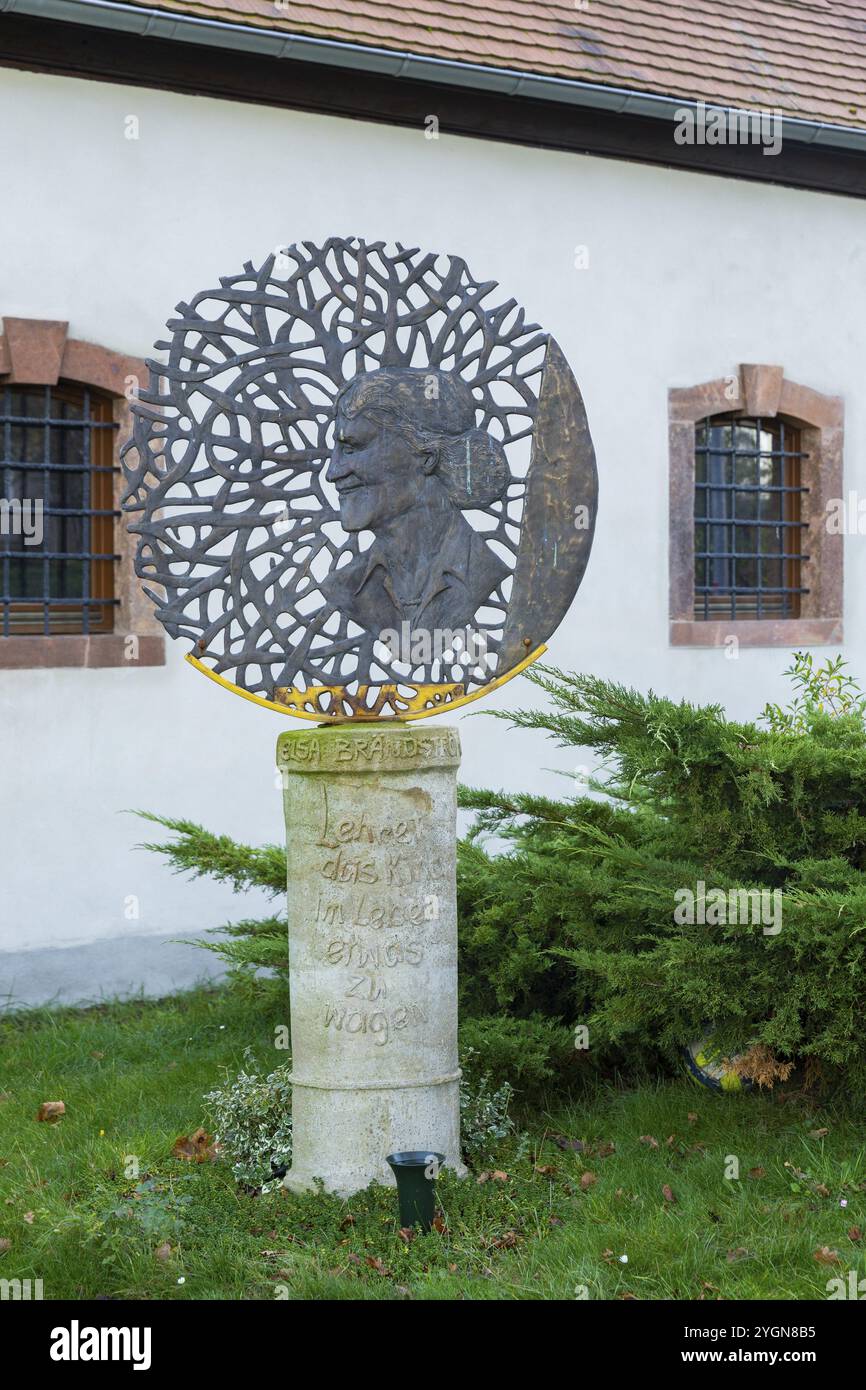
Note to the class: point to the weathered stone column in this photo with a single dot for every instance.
(371, 849)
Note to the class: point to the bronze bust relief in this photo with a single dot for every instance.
(358, 489)
(407, 457)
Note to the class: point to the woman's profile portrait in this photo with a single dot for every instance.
(407, 461)
(355, 478)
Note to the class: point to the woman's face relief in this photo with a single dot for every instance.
(377, 473)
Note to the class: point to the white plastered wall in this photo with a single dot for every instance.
(687, 277)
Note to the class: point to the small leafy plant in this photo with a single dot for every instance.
(484, 1117)
(824, 689)
(252, 1116)
(154, 1208)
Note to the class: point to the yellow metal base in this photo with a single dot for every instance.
(389, 703)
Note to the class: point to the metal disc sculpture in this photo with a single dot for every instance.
(362, 487)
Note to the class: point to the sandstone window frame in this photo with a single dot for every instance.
(39, 352)
(758, 390)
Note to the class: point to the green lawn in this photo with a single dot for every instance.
(132, 1077)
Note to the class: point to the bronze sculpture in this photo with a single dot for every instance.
(407, 458)
(360, 488)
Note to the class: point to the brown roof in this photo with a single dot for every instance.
(806, 58)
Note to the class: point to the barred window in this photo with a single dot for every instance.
(57, 538)
(749, 526)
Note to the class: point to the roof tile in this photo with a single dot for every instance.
(806, 58)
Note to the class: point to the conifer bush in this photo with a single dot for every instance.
(578, 918)
(252, 945)
(577, 924)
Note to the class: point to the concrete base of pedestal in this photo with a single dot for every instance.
(343, 1137)
(372, 913)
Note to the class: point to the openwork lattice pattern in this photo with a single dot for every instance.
(254, 544)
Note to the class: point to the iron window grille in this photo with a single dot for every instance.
(58, 449)
(748, 518)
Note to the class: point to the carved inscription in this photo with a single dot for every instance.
(309, 751)
(374, 923)
(392, 869)
(352, 950)
(381, 1023)
(359, 911)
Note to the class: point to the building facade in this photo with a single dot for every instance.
(710, 298)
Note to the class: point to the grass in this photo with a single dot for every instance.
(132, 1076)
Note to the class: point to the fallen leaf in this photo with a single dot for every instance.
(406, 1233)
(506, 1242)
(163, 1252)
(628, 1297)
(575, 1145)
(670, 1141)
(498, 1176)
(667, 1193)
(586, 1180)
(452, 1269)
(854, 1234)
(98, 1055)
(5, 1245)
(797, 1172)
(603, 1150)
(692, 1117)
(198, 1147)
(757, 1172)
(354, 1259)
(547, 1169)
(818, 1133)
(649, 1141)
(439, 1224)
(51, 1110)
(375, 1263)
(820, 1190)
(29, 1217)
(741, 1253)
(554, 1221)
(348, 1220)
(825, 1256)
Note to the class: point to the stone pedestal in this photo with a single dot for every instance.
(371, 848)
